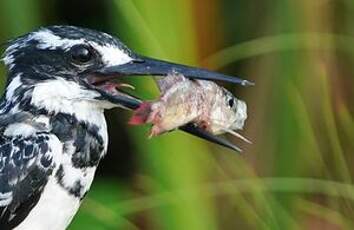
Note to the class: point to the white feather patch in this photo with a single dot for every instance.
(71, 174)
(111, 55)
(5, 198)
(20, 129)
(54, 210)
(48, 40)
(14, 84)
(69, 97)
(64, 96)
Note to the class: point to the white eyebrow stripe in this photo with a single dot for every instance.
(111, 55)
(48, 40)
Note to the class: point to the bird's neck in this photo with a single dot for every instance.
(51, 96)
(64, 108)
(55, 100)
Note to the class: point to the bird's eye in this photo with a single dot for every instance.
(81, 54)
(231, 102)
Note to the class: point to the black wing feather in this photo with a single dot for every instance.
(25, 164)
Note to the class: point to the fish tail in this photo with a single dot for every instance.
(141, 114)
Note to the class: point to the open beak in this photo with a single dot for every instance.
(144, 66)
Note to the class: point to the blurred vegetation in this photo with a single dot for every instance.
(296, 175)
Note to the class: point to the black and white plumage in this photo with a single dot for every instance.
(53, 132)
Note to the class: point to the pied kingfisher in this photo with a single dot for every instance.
(53, 132)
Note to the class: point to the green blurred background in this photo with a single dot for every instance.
(296, 175)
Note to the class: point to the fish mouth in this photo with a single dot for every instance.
(105, 79)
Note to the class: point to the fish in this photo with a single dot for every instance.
(183, 101)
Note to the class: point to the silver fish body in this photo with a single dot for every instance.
(183, 101)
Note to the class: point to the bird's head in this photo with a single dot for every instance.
(63, 68)
(80, 64)
(66, 63)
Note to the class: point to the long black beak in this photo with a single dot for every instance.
(201, 133)
(148, 66)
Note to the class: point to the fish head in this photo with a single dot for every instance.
(235, 111)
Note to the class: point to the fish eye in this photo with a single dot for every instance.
(81, 54)
(231, 102)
